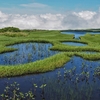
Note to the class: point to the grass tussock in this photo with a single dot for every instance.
(48, 64)
(14, 34)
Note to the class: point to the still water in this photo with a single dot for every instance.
(78, 34)
(74, 81)
(27, 52)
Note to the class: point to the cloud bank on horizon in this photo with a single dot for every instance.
(47, 17)
(70, 20)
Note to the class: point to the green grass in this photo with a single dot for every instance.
(40, 66)
(53, 62)
(14, 34)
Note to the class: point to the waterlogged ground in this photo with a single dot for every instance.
(75, 81)
(27, 52)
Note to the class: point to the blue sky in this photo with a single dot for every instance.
(50, 14)
(53, 6)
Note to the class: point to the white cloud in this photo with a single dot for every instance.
(70, 20)
(85, 14)
(34, 5)
(3, 17)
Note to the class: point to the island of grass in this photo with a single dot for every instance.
(12, 35)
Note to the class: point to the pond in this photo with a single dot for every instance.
(95, 32)
(27, 52)
(77, 34)
(74, 81)
(74, 43)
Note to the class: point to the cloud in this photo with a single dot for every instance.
(85, 14)
(34, 5)
(3, 17)
(69, 20)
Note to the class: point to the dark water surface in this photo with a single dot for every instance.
(74, 81)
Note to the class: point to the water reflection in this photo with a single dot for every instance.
(27, 52)
(75, 81)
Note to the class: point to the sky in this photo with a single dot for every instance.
(50, 14)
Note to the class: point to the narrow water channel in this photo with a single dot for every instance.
(77, 34)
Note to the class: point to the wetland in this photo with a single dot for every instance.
(39, 65)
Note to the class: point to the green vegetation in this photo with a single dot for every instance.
(97, 72)
(14, 34)
(12, 92)
(11, 35)
(70, 80)
(10, 29)
(40, 66)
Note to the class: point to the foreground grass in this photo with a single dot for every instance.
(40, 66)
(53, 62)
